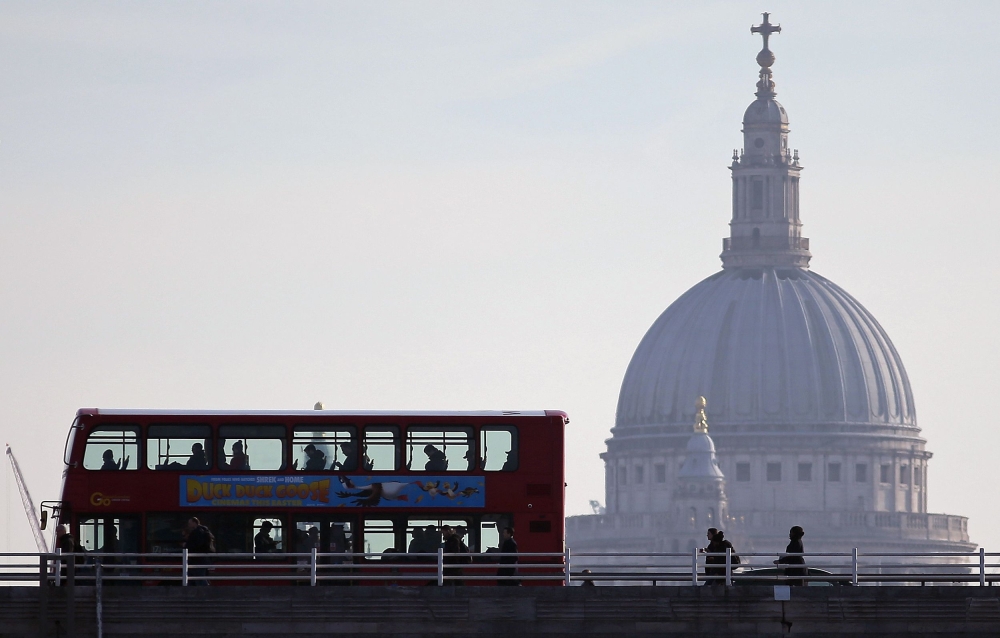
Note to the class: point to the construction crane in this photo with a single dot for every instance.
(29, 505)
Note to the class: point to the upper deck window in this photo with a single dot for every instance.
(498, 446)
(439, 449)
(251, 447)
(179, 447)
(317, 448)
(112, 447)
(381, 448)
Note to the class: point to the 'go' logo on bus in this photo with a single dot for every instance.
(99, 499)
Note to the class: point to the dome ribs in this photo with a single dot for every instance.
(767, 347)
(773, 387)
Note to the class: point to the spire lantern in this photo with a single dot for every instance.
(765, 231)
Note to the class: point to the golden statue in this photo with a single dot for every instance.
(700, 420)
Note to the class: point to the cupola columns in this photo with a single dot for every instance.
(765, 231)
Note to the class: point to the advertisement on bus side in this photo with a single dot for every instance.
(332, 491)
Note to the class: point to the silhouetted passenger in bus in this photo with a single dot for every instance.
(416, 545)
(350, 458)
(111, 464)
(436, 459)
(366, 463)
(511, 463)
(197, 460)
(316, 459)
(262, 542)
(239, 460)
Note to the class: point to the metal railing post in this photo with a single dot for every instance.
(312, 569)
(71, 596)
(98, 578)
(440, 566)
(566, 558)
(59, 565)
(694, 567)
(854, 566)
(982, 567)
(184, 567)
(43, 594)
(729, 566)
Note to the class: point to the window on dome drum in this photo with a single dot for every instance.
(774, 471)
(498, 446)
(179, 447)
(112, 447)
(639, 474)
(381, 448)
(743, 472)
(757, 194)
(661, 472)
(315, 448)
(904, 474)
(439, 449)
(252, 447)
(621, 476)
(805, 471)
(861, 473)
(918, 475)
(885, 473)
(833, 472)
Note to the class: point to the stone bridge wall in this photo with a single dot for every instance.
(258, 612)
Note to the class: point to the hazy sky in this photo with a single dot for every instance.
(470, 205)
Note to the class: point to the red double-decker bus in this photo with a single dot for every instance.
(275, 482)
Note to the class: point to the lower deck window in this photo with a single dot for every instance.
(110, 534)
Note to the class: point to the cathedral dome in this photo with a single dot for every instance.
(765, 112)
(768, 347)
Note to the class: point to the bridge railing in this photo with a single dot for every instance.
(566, 568)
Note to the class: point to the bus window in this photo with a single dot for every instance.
(381, 448)
(252, 447)
(268, 535)
(112, 447)
(165, 532)
(110, 534)
(178, 447)
(380, 537)
(491, 531)
(317, 449)
(439, 449)
(327, 537)
(498, 445)
(423, 536)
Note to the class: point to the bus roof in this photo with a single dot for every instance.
(309, 413)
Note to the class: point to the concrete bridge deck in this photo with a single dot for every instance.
(259, 612)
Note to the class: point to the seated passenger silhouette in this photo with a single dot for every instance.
(350, 462)
(262, 542)
(366, 463)
(316, 460)
(239, 460)
(197, 460)
(436, 459)
(111, 464)
(511, 463)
